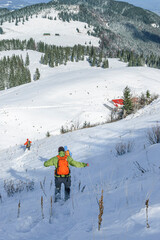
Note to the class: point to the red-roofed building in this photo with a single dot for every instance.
(118, 102)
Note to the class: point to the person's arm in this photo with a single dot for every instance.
(51, 162)
(75, 163)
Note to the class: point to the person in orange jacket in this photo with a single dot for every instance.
(28, 144)
(62, 163)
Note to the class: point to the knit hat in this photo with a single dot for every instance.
(61, 149)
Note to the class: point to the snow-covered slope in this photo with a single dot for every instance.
(66, 95)
(125, 187)
(61, 33)
(16, 4)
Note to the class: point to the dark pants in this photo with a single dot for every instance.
(67, 184)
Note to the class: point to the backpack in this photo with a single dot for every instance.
(28, 144)
(63, 166)
(67, 153)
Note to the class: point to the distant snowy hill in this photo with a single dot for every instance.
(60, 33)
(152, 5)
(16, 4)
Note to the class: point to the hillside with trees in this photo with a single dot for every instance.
(119, 25)
(13, 72)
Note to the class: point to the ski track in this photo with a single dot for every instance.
(42, 107)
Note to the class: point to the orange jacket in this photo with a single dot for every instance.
(27, 142)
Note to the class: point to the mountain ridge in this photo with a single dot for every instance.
(18, 4)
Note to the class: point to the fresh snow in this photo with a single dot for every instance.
(16, 4)
(47, 105)
(67, 95)
(36, 28)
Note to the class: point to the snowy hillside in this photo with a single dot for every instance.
(47, 104)
(70, 95)
(16, 4)
(127, 180)
(58, 32)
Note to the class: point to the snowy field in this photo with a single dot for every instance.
(67, 95)
(36, 28)
(70, 94)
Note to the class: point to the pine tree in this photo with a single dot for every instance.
(93, 62)
(72, 56)
(1, 30)
(16, 22)
(27, 60)
(105, 64)
(130, 64)
(42, 59)
(125, 58)
(37, 74)
(51, 61)
(142, 100)
(148, 95)
(127, 102)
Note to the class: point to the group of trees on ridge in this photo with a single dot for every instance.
(54, 56)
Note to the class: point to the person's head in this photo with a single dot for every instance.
(27, 139)
(61, 149)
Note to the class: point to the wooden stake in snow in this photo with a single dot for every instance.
(101, 208)
(43, 189)
(42, 207)
(147, 204)
(19, 207)
(51, 184)
(51, 213)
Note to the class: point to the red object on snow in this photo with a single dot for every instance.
(27, 142)
(117, 102)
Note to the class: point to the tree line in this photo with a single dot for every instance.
(14, 70)
(54, 55)
(135, 60)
